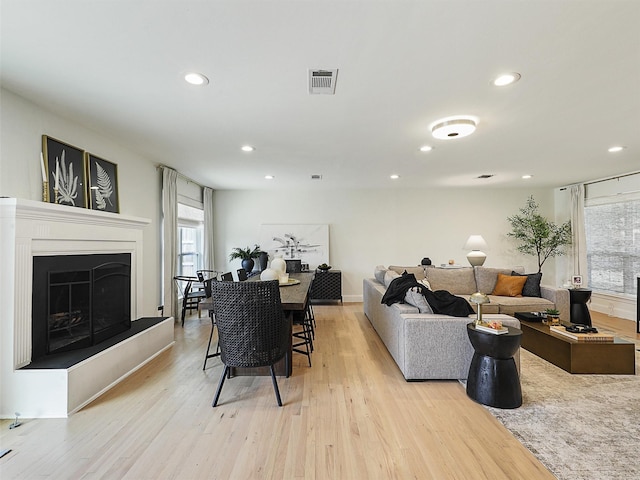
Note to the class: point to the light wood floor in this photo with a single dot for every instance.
(350, 416)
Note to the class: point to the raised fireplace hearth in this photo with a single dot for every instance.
(32, 230)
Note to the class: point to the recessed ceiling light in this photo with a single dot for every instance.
(453, 127)
(196, 79)
(527, 177)
(394, 177)
(247, 148)
(426, 148)
(269, 177)
(617, 148)
(506, 79)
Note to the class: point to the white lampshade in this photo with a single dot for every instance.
(476, 244)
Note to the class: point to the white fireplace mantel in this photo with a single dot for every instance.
(30, 228)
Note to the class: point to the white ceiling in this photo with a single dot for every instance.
(117, 67)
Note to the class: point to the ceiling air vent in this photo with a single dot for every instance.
(486, 175)
(316, 177)
(322, 82)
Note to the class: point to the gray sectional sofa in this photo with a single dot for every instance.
(429, 346)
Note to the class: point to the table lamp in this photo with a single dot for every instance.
(476, 243)
(479, 299)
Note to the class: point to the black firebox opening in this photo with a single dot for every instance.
(79, 301)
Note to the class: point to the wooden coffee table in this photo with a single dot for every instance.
(617, 357)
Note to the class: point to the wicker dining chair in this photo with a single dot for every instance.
(252, 328)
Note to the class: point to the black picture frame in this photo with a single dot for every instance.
(72, 174)
(103, 184)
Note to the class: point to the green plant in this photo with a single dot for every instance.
(552, 311)
(537, 235)
(245, 253)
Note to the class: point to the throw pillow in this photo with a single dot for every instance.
(508, 286)
(389, 276)
(379, 272)
(425, 282)
(414, 297)
(532, 285)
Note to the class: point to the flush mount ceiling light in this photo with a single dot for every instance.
(426, 148)
(526, 177)
(196, 79)
(617, 148)
(247, 148)
(506, 79)
(269, 177)
(454, 127)
(394, 177)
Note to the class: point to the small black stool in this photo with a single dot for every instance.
(493, 377)
(578, 298)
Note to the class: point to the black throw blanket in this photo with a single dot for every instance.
(440, 301)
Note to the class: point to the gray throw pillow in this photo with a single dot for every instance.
(414, 297)
(532, 285)
(379, 272)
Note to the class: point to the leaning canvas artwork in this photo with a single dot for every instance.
(309, 243)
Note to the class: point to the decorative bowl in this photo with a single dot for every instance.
(324, 267)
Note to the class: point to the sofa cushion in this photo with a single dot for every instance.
(509, 286)
(389, 276)
(425, 282)
(418, 271)
(486, 277)
(511, 305)
(415, 297)
(459, 281)
(532, 285)
(379, 272)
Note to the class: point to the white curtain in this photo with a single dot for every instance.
(208, 228)
(579, 240)
(169, 240)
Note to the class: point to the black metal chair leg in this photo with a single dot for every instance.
(208, 355)
(220, 383)
(275, 385)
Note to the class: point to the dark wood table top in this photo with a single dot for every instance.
(293, 297)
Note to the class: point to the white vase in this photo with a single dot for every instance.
(269, 274)
(279, 265)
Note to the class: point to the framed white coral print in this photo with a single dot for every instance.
(64, 168)
(103, 184)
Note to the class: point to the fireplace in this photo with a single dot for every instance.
(32, 230)
(79, 301)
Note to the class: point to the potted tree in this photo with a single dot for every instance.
(537, 235)
(246, 255)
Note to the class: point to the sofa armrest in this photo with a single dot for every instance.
(560, 297)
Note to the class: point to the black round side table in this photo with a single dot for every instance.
(578, 298)
(493, 377)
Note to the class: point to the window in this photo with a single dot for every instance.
(612, 228)
(190, 240)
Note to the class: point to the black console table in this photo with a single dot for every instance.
(327, 285)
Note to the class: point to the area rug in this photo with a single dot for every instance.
(581, 427)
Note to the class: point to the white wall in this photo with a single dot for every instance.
(393, 226)
(21, 129)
